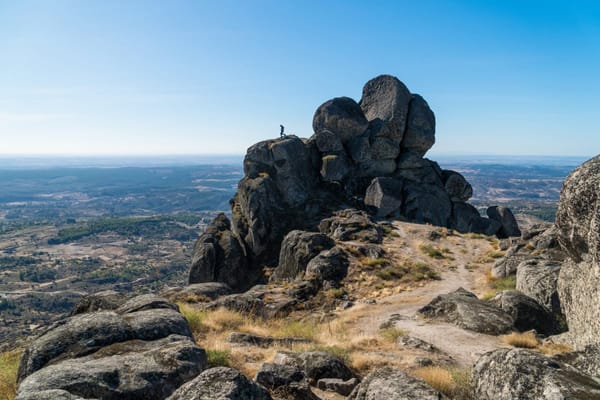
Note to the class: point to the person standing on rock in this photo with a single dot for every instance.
(281, 134)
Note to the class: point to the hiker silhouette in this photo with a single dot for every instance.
(281, 134)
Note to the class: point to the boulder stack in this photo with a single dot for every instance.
(367, 155)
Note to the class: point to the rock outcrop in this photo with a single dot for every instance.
(143, 349)
(367, 156)
(578, 224)
(524, 375)
(391, 384)
(465, 310)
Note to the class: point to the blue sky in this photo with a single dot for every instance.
(186, 77)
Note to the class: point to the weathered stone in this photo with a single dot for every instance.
(220, 383)
(385, 194)
(285, 381)
(524, 375)
(508, 264)
(465, 310)
(390, 384)
(387, 99)
(577, 218)
(198, 292)
(457, 186)
(538, 278)
(483, 225)
(509, 227)
(334, 168)
(383, 148)
(527, 313)
(413, 167)
(260, 300)
(342, 116)
(247, 339)
(330, 265)
(376, 167)
(586, 360)
(419, 136)
(351, 224)
(338, 385)
(134, 370)
(105, 300)
(315, 364)
(424, 203)
(463, 215)
(328, 142)
(415, 343)
(220, 256)
(297, 249)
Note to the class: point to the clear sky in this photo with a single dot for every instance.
(171, 77)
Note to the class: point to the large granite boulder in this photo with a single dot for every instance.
(509, 226)
(285, 381)
(419, 136)
(586, 360)
(220, 256)
(297, 249)
(387, 99)
(143, 349)
(385, 194)
(457, 186)
(220, 383)
(328, 266)
(527, 313)
(578, 223)
(524, 375)
(538, 278)
(465, 310)
(342, 116)
(391, 384)
(315, 364)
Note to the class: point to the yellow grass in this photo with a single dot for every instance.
(391, 334)
(9, 364)
(526, 340)
(437, 377)
(552, 349)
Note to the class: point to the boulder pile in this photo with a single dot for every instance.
(367, 155)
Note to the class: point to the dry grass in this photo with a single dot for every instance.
(552, 349)
(432, 251)
(525, 340)
(391, 334)
(454, 383)
(500, 284)
(372, 262)
(9, 364)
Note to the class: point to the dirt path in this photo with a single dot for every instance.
(463, 346)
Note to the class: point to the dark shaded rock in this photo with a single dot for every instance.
(586, 360)
(375, 167)
(338, 385)
(385, 194)
(419, 136)
(424, 203)
(387, 99)
(297, 249)
(415, 343)
(538, 278)
(247, 339)
(334, 168)
(351, 224)
(419, 170)
(527, 313)
(371, 251)
(315, 364)
(383, 148)
(105, 300)
(524, 375)
(546, 240)
(457, 186)
(198, 292)
(485, 226)
(273, 376)
(146, 302)
(220, 383)
(220, 256)
(328, 142)
(465, 310)
(330, 265)
(342, 116)
(509, 227)
(463, 215)
(134, 370)
(389, 384)
(54, 394)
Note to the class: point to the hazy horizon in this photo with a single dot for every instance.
(151, 77)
